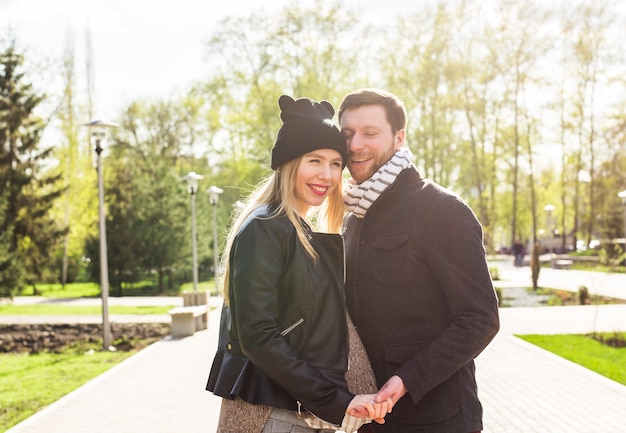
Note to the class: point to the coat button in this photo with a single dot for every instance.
(363, 242)
(229, 346)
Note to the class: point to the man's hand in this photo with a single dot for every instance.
(392, 391)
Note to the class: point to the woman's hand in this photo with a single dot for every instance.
(365, 406)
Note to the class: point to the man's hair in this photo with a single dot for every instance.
(394, 107)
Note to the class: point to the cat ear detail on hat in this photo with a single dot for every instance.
(329, 107)
(285, 102)
(303, 108)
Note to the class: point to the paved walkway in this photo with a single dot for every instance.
(523, 388)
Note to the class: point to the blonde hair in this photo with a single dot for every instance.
(277, 191)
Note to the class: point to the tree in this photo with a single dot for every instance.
(304, 51)
(11, 269)
(28, 190)
(589, 27)
(146, 223)
(76, 210)
(425, 76)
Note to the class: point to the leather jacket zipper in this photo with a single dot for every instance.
(292, 327)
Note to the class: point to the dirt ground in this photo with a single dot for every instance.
(53, 338)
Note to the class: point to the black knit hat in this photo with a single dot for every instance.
(307, 126)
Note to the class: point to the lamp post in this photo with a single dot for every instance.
(214, 193)
(98, 129)
(622, 195)
(549, 208)
(192, 179)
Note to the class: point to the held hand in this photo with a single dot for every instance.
(365, 406)
(391, 392)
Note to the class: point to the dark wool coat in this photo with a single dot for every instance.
(420, 294)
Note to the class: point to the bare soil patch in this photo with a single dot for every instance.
(56, 337)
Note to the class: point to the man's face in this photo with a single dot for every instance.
(371, 142)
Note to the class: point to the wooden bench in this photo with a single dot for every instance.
(187, 320)
(563, 263)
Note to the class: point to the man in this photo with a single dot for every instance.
(418, 285)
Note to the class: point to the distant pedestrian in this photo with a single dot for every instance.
(518, 252)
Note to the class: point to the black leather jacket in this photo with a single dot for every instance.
(283, 339)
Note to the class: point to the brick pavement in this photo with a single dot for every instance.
(523, 388)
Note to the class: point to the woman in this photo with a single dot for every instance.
(283, 347)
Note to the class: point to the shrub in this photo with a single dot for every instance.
(583, 295)
(495, 273)
(499, 296)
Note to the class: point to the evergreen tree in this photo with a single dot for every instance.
(10, 269)
(28, 231)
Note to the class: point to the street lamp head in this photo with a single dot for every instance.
(214, 193)
(103, 124)
(622, 195)
(98, 130)
(192, 179)
(549, 208)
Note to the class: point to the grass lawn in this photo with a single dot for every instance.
(28, 383)
(71, 290)
(92, 290)
(71, 310)
(586, 351)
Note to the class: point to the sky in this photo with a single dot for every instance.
(140, 48)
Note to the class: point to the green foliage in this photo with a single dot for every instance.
(495, 273)
(28, 193)
(583, 295)
(499, 296)
(586, 351)
(144, 287)
(304, 50)
(11, 268)
(475, 126)
(586, 253)
(559, 297)
(206, 286)
(58, 290)
(612, 255)
(77, 209)
(147, 203)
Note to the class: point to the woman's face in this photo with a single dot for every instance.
(319, 173)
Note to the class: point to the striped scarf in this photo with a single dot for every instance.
(359, 198)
